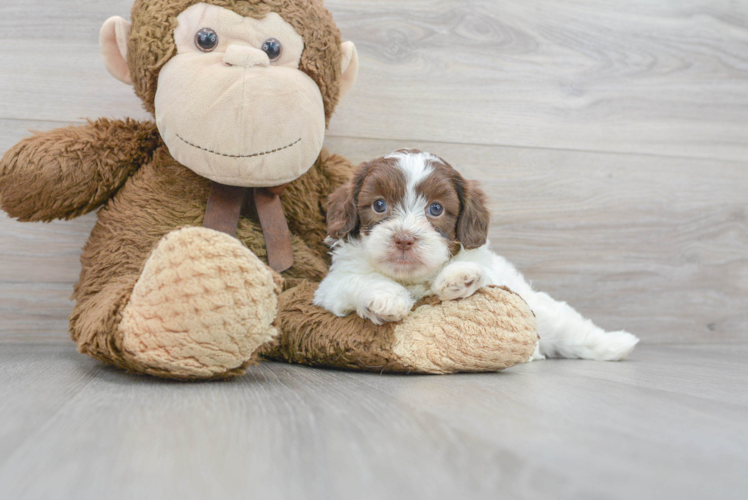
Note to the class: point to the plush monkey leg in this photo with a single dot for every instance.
(489, 331)
(200, 309)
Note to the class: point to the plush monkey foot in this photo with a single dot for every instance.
(201, 308)
(489, 331)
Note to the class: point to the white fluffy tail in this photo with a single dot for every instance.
(565, 333)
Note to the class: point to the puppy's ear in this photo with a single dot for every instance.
(474, 219)
(342, 215)
(342, 212)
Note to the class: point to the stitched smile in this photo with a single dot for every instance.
(238, 156)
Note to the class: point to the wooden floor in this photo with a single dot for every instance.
(612, 139)
(669, 423)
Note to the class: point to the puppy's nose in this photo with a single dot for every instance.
(404, 241)
(245, 57)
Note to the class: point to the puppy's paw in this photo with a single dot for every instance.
(459, 280)
(384, 306)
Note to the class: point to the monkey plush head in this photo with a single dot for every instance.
(242, 90)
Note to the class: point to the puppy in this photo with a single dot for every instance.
(409, 225)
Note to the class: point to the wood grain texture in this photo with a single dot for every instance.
(58, 74)
(670, 423)
(667, 78)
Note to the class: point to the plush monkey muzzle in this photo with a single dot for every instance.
(231, 114)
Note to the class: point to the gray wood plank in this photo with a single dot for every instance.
(37, 381)
(669, 423)
(35, 312)
(58, 72)
(666, 78)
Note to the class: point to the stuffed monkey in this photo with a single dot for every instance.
(211, 221)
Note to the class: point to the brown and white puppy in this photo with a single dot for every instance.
(409, 225)
(394, 229)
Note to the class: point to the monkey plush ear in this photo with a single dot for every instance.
(113, 44)
(350, 68)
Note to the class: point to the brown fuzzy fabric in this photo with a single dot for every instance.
(313, 336)
(490, 331)
(76, 169)
(151, 42)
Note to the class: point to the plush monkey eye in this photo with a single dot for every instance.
(379, 206)
(435, 210)
(273, 48)
(206, 40)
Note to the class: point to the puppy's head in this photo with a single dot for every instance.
(411, 211)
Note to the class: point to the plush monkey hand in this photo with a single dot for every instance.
(70, 171)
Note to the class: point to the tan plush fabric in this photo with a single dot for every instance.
(203, 305)
(490, 331)
(350, 68)
(213, 113)
(113, 39)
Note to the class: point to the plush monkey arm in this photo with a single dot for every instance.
(70, 171)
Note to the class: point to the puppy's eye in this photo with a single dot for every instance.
(206, 40)
(273, 48)
(380, 206)
(435, 210)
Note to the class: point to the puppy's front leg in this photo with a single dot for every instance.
(459, 280)
(371, 295)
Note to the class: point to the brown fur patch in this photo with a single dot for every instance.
(151, 43)
(384, 181)
(313, 336)
(349, 209)
(474, 218)
(439, 187)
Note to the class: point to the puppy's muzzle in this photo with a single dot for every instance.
(404, 241)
